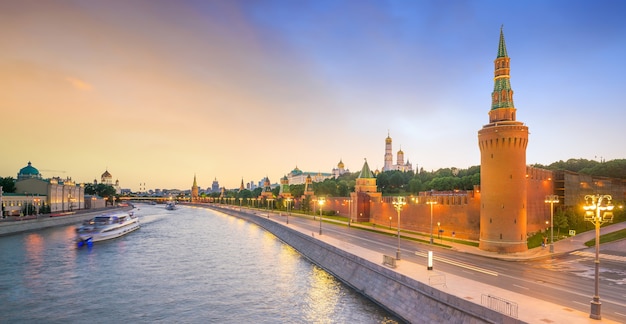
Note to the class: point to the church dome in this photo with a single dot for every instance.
(106, 174)
(388, 140)
(29, 170)
(296, 171)
(340, 165)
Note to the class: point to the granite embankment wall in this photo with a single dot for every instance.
(8, 227)
(411, 300)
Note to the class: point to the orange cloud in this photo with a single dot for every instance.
(79, 84)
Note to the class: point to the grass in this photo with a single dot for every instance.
(610, 237)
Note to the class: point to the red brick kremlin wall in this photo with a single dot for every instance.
(457, 211)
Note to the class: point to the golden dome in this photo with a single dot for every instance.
(340, 165)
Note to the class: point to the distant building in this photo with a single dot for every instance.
(339, 170)
(400, 165)
(297, 176)
(284, 188)
(55, 194)
(107, 179)
(215, 186)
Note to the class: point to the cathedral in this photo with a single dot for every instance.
(400, 165)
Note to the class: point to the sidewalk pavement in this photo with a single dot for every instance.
(530, 309)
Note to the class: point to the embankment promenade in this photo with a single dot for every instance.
(409, 299)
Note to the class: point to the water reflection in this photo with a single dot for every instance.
(191, 266)
(323, 296)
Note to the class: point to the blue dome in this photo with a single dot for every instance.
(28, 172)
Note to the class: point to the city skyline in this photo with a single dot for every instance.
(157, 92)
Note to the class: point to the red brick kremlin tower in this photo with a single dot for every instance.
(502, 142)
(194, 189)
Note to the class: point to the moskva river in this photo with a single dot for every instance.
(190, 265)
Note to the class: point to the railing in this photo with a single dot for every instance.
(437, 278)
(389, 261)
(500, 305)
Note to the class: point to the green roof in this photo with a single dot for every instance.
(502, 45)
(365, 172)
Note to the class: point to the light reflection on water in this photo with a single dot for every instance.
(189, 265)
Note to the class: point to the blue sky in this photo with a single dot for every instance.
(157, 91)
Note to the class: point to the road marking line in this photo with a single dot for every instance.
(460, 264)
(579, 303)
(620, 314)
(602, 256)
(518, 286)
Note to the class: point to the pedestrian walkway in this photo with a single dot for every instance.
(529, 309)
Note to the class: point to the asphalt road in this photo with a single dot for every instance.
(566, 280)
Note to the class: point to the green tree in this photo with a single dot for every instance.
(296, 190)
(415, 186)
(101, 190)
(245, 194)
(560, 221)
(7, 184)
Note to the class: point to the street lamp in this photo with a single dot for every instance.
(552, 199)
(598, 210)
(349, 210)
(398, 203)
(321, 201)
(439, 232)
(288, 208)
(431, 202)
(36, 201)
(269, 201)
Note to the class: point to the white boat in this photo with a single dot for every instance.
(105, 227)
(170, 205)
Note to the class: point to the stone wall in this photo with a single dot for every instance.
(410, 300)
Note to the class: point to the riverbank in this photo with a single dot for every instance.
(402, 295)
(10, 226)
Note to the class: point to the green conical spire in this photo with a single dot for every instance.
(365, 171)
(502, 45)
(502, 95)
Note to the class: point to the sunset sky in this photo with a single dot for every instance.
(157, 91)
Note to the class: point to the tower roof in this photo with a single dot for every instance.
(502, 45)
(195, 184)
(502, 95)
(365, 171)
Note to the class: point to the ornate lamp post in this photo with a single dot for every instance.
(552, 199)
(431, 202)
(398, 203)
(269, 201)
(598, 210)
(349, 201)
(288, 200)
(321, 201)
(439, 232)
(36, 203)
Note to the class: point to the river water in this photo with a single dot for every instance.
(190, 265)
